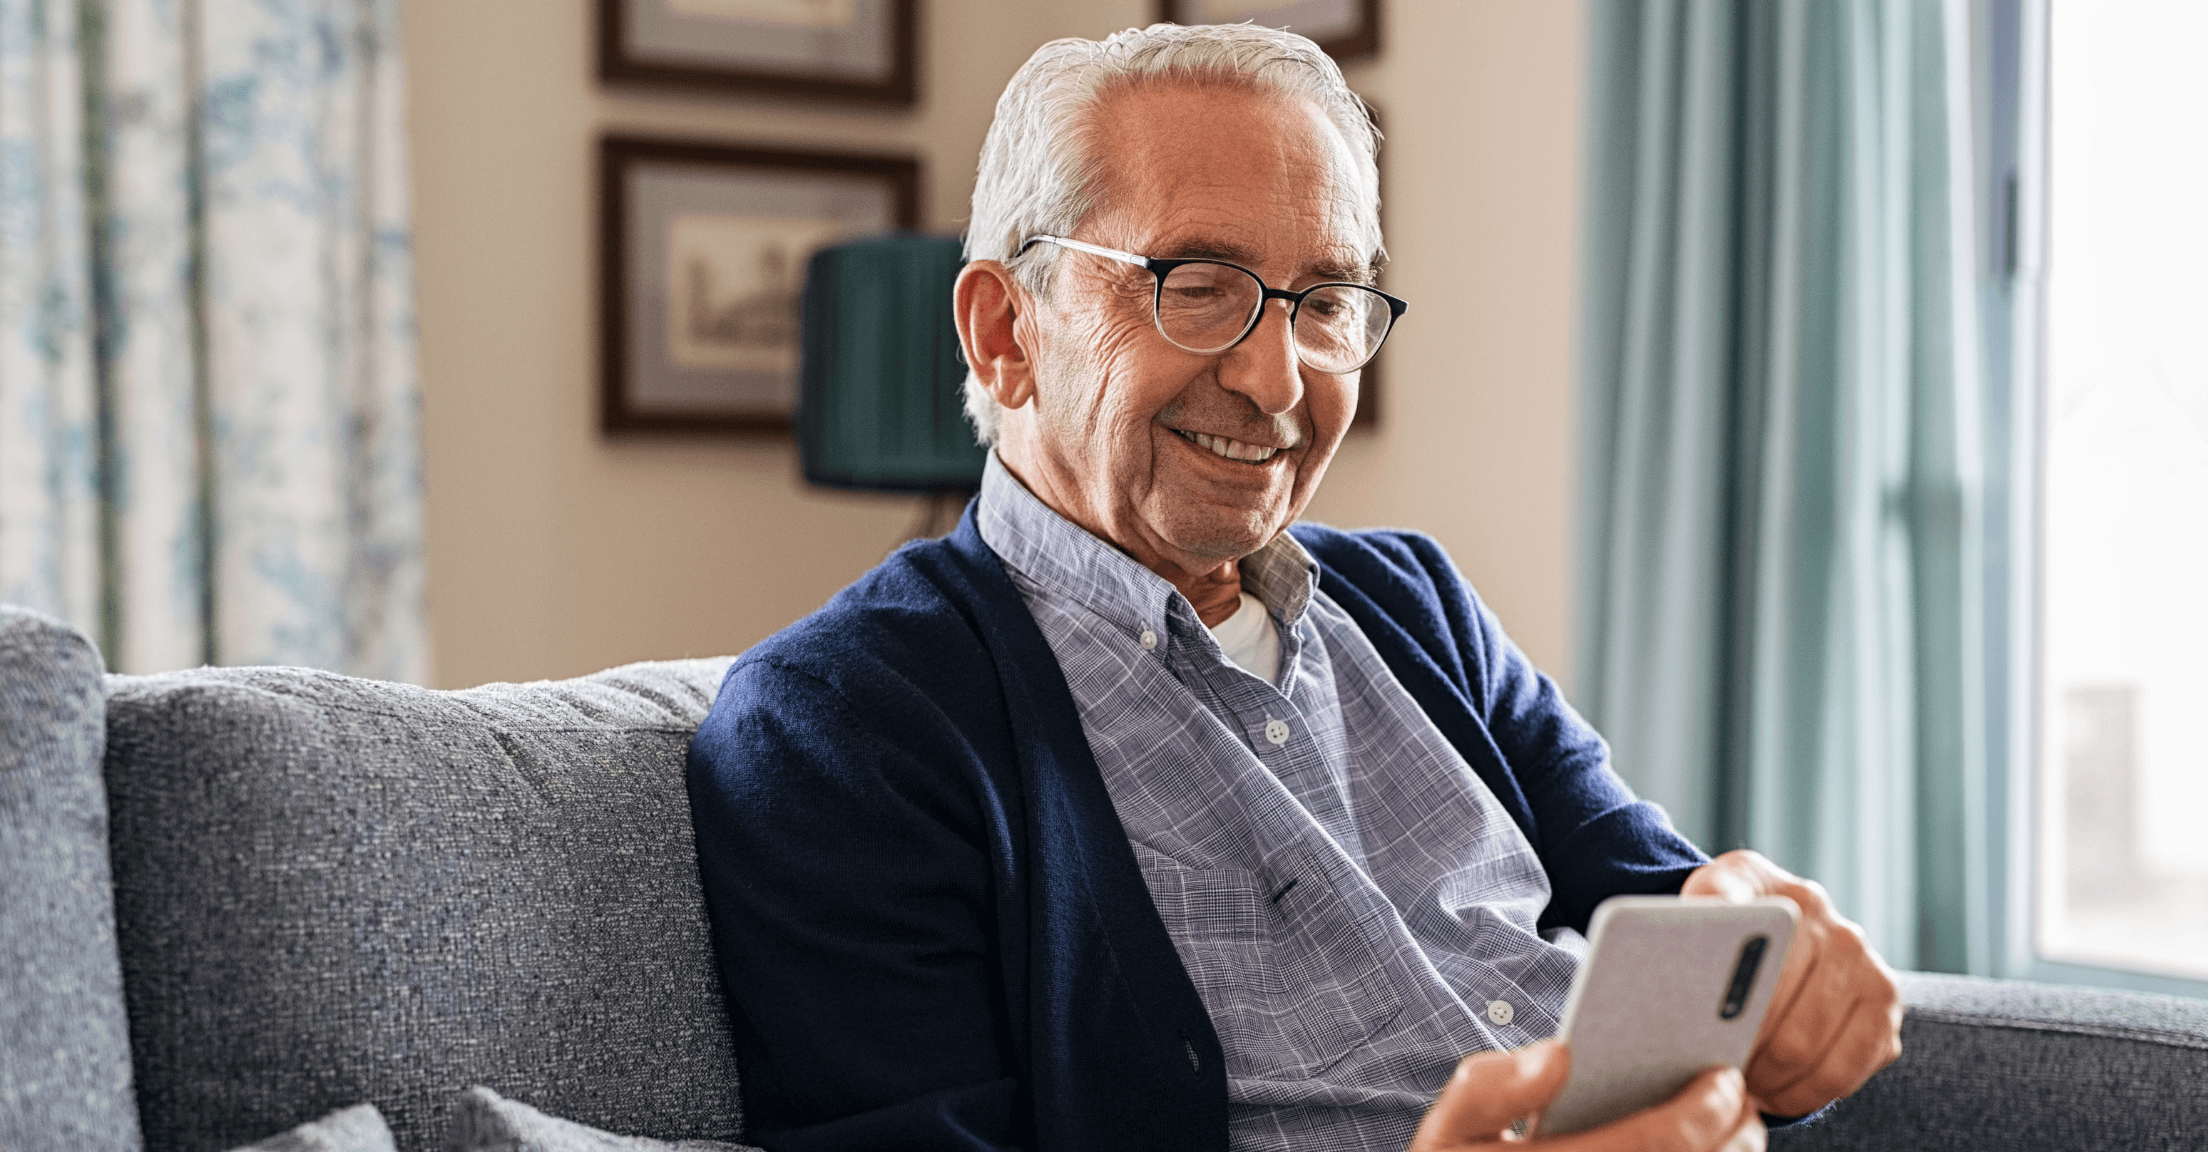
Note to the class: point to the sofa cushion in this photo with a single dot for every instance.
(331, 890)
(64, 1049)
(484, 1121)
(359, 1128)
(2027, 1067)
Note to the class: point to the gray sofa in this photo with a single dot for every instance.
(236, 900)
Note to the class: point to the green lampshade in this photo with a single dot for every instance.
(879, 400)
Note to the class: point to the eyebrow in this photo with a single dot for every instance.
(1332, 266)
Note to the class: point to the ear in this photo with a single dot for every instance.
(987, 303)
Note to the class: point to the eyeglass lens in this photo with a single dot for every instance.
(1205, 307)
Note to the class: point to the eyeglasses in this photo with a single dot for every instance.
(1209, 306)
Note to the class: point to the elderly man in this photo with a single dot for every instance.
(1129, 816)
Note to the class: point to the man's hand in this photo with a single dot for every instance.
(1491, 1091)
(1836, 1015)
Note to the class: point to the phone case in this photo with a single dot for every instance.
(1662, 996)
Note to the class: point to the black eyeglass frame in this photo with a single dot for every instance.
(1160, 268)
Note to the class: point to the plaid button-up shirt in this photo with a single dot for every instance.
(1355, 909)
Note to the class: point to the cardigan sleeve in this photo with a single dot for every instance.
(849, 882)
(1596, 838)
(1550, 769)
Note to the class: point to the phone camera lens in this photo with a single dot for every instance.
(1744, 976)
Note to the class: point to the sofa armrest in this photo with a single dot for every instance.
(64, 1039)
(2006, 1065)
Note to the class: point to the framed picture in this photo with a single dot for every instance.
(845, 49)
(1347, 29)
(702, 254)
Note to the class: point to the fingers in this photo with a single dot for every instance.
(1744, 875)
(1812, 996)
(1713, 1113)
(1489, 1092)
(1835, 1015)
(1842, 1024)
(1749, 1135)
(1868, 1040)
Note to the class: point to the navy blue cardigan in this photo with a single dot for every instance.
(930, 925)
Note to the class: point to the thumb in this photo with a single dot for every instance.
(1489, 1092)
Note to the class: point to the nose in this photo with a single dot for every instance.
(1263, 366)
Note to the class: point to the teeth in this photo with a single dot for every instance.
(1231, 449)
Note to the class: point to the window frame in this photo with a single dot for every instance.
(2012, 53)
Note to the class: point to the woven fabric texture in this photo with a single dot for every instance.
(359, 1128)
(64, 1051)
(2024, 1068)
(333, 890)
(484, 1121)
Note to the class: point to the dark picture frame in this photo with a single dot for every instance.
(870, 56)
(702, 252)
(1346, 29)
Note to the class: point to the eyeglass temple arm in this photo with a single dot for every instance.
(1092, 249)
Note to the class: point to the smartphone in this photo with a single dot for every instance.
(1671, 985)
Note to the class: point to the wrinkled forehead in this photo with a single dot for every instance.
(1224, 152)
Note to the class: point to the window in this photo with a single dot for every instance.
(2122, 839)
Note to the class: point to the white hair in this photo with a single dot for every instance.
(1039, 177)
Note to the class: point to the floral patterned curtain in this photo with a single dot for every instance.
(209, 415)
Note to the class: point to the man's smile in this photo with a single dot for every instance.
(1228, 448)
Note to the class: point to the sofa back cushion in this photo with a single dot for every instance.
(331, 891)
(64, 1053)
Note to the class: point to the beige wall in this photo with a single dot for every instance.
(554, 551)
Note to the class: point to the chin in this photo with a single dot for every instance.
(1223, 536)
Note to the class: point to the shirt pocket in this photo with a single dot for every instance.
(1291, 982)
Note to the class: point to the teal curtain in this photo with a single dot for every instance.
(209, 416)
(1783, 591)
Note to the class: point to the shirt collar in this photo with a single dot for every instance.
(1056, 558)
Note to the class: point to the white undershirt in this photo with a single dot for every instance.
(1250, 640)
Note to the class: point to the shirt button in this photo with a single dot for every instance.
(1500, 1012)
(1276, 731)
(1148, 640)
